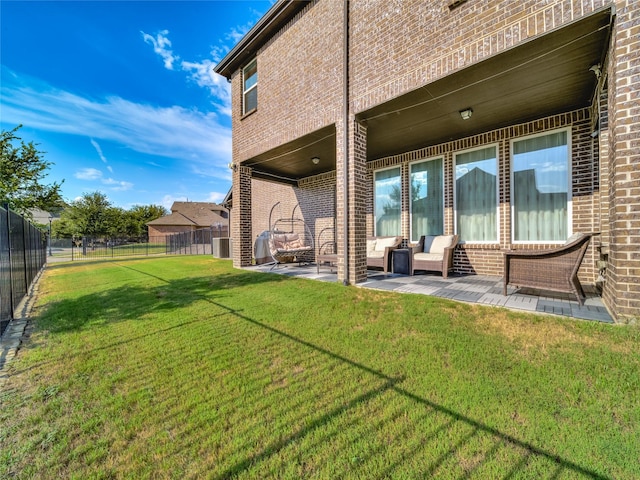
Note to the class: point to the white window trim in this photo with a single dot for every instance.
(411, 164)
(455, 198)
(569, 188)
(375, 215)
(244, 92)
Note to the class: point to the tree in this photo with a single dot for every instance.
(90, 214)
(93, 215)
(22, 170)
(141, 215)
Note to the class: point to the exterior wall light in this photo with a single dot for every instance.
(466, 113)
(315, 160)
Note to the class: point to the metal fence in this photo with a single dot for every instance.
(22, 255)
(92, 248)
(196, 242)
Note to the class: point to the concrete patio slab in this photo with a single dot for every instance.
(479, 289)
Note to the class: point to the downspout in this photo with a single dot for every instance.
(345, 138)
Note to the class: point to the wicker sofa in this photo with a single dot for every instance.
(434, 253)
(552, 269)
(379, 251)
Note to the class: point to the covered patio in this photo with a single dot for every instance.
(480, 289)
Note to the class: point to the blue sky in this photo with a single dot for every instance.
(121, 95)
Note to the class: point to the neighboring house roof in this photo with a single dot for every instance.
(174, 219)
(42, 217)
(198, 214)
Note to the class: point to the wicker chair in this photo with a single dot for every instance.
(438, 256)
(379, 251)
(327, 249)
(552, 269)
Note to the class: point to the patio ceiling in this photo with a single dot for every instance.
(544, 76)
(292, 161)
(541, 77)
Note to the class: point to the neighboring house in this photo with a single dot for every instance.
(523, 116)
(42, 217)
(191, 216)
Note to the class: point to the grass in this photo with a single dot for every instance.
(183, 367)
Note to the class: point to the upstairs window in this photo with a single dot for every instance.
(540, 188)
(250, 87)
(476, 195)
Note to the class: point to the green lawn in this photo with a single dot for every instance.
(183, 367)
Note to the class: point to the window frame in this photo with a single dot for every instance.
(568, 130)
(496, 147)
(416, 162)
(375, 215)
(245, 91)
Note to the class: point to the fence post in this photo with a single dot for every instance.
(12, 306)
(24, 254)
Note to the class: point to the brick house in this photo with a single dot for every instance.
(189, 217)
(512, 124)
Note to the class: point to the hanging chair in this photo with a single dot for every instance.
(290, 239)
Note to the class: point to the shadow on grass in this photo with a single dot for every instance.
(130, 302)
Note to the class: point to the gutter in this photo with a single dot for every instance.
(345, 139)
(269, 23)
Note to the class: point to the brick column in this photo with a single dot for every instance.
(241, 231)
(355, 204)
(622, 287)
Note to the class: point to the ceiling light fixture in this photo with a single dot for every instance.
(315, 160)
(466, 113)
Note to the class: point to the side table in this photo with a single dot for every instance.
(401, 261)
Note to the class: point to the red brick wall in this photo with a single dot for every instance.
(299, 82)
(622, 286)
(397, 46)
(487, 259)
(165, 230)
(314, 198)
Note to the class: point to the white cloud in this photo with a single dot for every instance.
(88, 174)
(168, 200)
(162, 46)
(94, 174)
(215, 197)
(117, 185)
(99, 150)
(202, 73)
(173, 132)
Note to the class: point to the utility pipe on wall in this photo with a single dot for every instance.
(345, 139)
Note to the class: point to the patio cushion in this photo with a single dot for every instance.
(382, 243)
(293, 241)
(440, 243)
(428, 240)
(282, 242)
(279, 240)
(430, 257)
(376, 254)
(371, 246)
